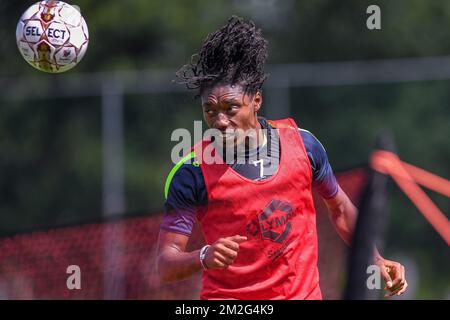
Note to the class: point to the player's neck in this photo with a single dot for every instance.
(258, 140)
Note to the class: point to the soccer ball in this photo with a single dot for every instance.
(52, 36)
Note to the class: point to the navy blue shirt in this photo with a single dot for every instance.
(186, 190)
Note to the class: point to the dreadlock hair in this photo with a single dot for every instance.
(234, 54)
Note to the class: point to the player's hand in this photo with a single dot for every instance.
(393, 274)
(223, 252)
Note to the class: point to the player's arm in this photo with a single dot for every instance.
(185, 192)
(341, 210)
(174, 263)
(343, 213)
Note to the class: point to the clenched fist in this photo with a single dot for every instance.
(223, 252)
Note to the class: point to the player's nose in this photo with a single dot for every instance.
(221, 122)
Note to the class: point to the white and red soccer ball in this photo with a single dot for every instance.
(52, 36)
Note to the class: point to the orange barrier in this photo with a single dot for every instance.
(407, 178)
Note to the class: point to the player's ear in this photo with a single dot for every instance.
(257, 100)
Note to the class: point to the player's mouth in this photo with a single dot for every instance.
(227, 135)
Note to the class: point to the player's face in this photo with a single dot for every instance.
(227, 108)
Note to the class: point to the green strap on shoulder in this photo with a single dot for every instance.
(174, 170)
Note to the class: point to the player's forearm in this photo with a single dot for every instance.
(343, 215)
(175, 266)
(344, 222)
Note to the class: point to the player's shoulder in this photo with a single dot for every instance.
(310, 140)
(185, 172)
